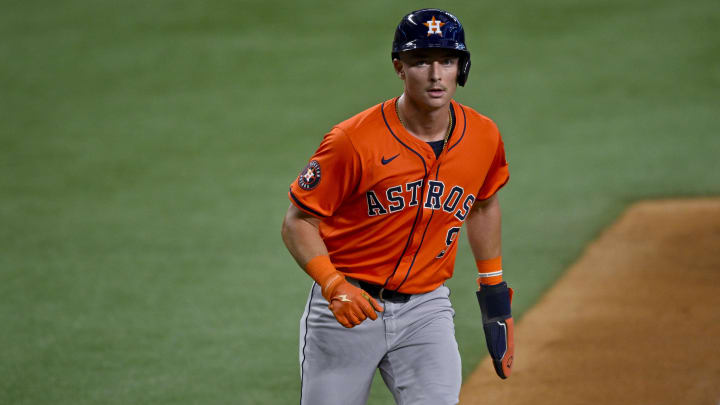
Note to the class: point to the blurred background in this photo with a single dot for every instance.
(146, 149)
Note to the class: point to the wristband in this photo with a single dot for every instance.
(489, 271)
(321, 269)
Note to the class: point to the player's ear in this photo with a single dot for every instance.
(399, 69)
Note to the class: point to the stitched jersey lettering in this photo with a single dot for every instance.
(375, 207)
(461, 214)
(414, 187)
(434, 192)
(397, 200)
(453, 198)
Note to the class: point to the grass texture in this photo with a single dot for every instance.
(146, 149)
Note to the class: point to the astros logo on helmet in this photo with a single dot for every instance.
(434, 26)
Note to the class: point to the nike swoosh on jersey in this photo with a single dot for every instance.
(386, 161)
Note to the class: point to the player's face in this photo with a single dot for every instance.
(430, 76)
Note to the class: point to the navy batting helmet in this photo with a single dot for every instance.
(433, 28)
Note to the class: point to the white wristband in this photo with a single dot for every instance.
(488, 275)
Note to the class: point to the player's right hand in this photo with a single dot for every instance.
(352, 305)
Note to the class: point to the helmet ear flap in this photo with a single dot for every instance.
(463, 69)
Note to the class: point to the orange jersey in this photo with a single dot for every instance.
(391, 211)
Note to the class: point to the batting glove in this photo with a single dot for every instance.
(351, 305)
(497, 321)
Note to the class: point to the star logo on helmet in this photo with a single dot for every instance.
(434, 26)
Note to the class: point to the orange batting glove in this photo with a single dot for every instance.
(349, 304)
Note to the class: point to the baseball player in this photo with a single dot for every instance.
(375, 218)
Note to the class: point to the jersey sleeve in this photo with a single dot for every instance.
(498, 174)
(331, 175)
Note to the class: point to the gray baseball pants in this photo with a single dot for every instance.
(412, 343)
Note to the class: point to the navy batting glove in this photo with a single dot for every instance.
(498, 325)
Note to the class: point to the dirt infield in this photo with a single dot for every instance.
(635, 321)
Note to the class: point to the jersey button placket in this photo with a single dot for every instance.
(402, 270)
(406, 262)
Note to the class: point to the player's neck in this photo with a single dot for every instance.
(426, 124)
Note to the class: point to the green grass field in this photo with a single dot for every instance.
(146, 149)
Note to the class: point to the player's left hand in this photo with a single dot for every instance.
(352, 305)
(498, 325)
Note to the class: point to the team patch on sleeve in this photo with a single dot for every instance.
(309, 177)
